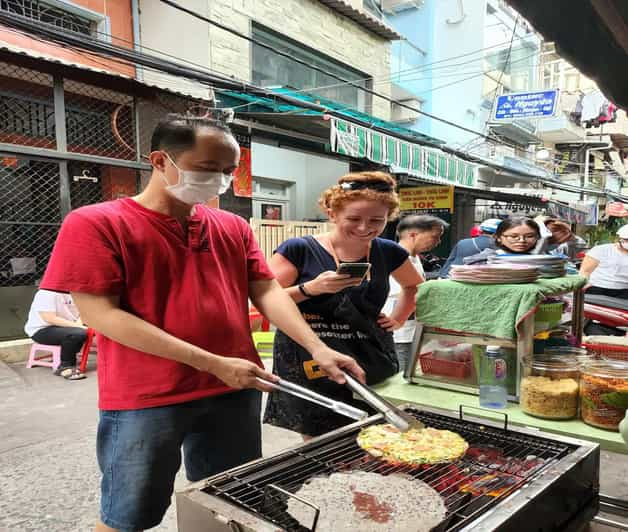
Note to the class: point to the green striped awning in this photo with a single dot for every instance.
(402, 157)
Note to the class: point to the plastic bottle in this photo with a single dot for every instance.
(493, 373)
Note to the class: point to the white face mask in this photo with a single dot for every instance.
(198, 187)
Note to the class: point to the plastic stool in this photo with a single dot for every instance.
(85, 351)
(264, 343)
(51, 360)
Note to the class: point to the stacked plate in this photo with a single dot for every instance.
(495, 273)
(550, 266)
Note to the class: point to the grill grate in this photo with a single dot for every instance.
(497, 463)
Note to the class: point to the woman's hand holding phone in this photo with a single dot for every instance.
(330, 282)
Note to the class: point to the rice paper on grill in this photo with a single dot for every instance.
(368, 502)
(413, 447)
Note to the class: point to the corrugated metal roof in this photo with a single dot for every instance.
(5, 47)
(363, 19)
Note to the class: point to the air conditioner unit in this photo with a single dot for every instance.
(402, 114)
(396, 6)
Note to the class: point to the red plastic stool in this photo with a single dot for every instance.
(254, 314)
(86, 347)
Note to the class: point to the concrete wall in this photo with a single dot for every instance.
(459, 102)
(438, 29)
(310, 174)
(178, 36)
(306, 21)
(449, 75)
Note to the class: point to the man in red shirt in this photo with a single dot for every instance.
(165, 280)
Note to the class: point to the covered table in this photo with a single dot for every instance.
(496, 314)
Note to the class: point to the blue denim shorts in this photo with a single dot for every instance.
(139, 452)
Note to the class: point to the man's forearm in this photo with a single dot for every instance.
(276, 305)
(60, 322)
(134, 332)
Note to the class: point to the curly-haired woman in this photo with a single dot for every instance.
(344, 311)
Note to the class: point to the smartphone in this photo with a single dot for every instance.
(354, 269)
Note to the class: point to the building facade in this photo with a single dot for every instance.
(349, 43)
(73, 128)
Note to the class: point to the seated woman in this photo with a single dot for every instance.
(606, 266)
(54, 320)
(517, 236)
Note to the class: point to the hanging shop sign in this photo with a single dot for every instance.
(427, 198)
(401, 156)
(593, 213)
(617, 209)
(538, 104)
(508, 209)
(567, 213)
(243, 176)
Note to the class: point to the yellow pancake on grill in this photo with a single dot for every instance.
(414, 447)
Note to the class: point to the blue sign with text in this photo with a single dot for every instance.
(526, 105)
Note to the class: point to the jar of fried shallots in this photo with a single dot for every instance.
(549, 386)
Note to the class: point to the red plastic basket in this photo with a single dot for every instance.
(444, 368)
(615, 352)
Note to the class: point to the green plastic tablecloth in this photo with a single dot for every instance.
(493, 310)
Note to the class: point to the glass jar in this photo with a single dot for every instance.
(579, 353)
(549, 386)
(604, 393)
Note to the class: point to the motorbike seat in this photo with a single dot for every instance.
(606, 301)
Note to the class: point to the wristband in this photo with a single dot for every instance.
(303, 291)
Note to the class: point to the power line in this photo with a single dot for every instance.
(367, 90)
(501, 75)
(416, 69)
(75, 41)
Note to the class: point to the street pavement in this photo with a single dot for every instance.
(49, 475)
(48, 469)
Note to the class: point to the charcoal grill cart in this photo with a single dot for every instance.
(480, 315)
(550, 482)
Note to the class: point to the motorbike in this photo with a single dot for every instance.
(605, 315)
(432, 265)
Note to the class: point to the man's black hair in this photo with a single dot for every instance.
(176, 133)
(421, 222)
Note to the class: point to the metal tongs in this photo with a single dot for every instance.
(299, 391)
(395, 416)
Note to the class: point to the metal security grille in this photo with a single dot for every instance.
(99, 121)
(150, 112)
(26, 107)
(93, 183)
(29, 218)
(49, 14)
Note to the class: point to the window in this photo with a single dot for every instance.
(560, 75)
(34, 119)
(271, 69)
(515, 68)
(58, 13)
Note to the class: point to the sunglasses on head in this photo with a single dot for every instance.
(378, 186)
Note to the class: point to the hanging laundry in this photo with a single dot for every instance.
(592, 105)
(609, 113)
(576, 115)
